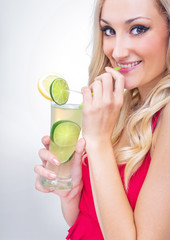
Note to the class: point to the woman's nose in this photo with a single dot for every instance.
(120, 49)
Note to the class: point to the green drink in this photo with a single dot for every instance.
(66, 123)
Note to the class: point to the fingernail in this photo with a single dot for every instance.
(55, 161)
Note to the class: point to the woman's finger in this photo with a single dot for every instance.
(107, 81)
(80, 146)
(97, 90)
(39, 187)
(87, 97)
(46, 141)
(76, 168)
(43, 172)
(119, 85)
(45, 155)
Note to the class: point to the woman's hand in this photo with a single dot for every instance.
(101, 110)
(47, 156)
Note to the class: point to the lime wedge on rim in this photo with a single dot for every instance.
(59, 91)
(44, 83)
(64, 135)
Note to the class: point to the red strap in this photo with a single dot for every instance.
(155, 119)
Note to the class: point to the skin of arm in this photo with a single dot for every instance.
(152, 212)
(151, 219)
(113, 209)
(70, 206)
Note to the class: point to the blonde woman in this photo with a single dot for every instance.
(122, 188)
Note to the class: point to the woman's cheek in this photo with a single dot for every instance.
(107, 49)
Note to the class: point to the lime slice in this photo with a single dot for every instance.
(44, 83)
(117, 68)
(64, 136)
(59, 91)
(81, 105)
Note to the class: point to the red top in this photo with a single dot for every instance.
(86, 226)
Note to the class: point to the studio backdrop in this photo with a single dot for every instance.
(36, 37)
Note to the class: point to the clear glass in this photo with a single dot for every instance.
(63, 172)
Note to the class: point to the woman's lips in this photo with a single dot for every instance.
(127, 67)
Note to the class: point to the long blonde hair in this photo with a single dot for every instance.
(139, 122)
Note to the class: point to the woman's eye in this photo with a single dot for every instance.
(108, 31)
(137, 30)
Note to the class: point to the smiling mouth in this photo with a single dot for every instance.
(129, 65)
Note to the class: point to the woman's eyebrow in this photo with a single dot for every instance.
(127, 21)
(136, 18)
(104, 21)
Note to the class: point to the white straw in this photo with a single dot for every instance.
(74, 91)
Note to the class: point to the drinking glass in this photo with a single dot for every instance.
(70, 111)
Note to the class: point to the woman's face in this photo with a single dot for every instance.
(135, 37)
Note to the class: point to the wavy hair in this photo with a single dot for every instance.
(139, 122)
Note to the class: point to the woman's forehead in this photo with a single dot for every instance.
(128, 9)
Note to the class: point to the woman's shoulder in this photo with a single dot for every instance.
(161, 133)
(165, 117)
(166, 110)
(154, 196)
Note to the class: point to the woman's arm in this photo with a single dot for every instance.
(70, 206)
(152, 212)
(113, 209)
(100, 114)
(151, 218)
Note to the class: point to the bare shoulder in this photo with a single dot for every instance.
(158, 175)
(161, 129)
(164, 128)
(154, 197)
(166, 111)
(162, 141)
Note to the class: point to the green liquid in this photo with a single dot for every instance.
(72, 113)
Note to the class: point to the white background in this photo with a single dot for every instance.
(36, 37)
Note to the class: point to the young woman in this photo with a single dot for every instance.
(122, 188)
